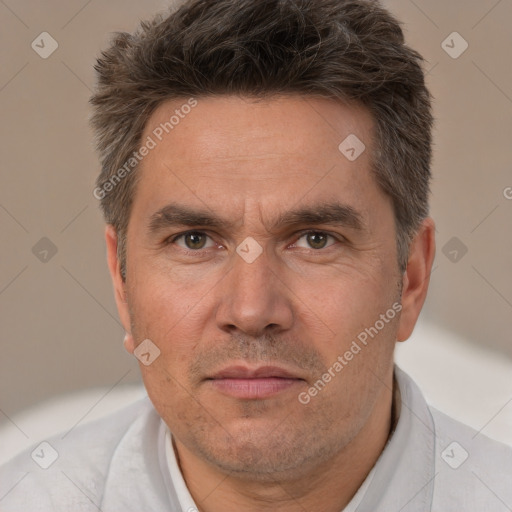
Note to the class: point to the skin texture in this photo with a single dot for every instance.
(299, 305)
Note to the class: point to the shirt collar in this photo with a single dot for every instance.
(404, 473)
(186, 501)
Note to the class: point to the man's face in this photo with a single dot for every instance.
(244, 335)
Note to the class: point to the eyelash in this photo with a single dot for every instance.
(301, 234)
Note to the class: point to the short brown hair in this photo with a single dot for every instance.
(349, 50)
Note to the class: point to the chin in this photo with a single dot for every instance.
(262, 454)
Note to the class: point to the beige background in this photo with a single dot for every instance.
(58, 323)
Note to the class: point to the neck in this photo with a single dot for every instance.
(325, 488)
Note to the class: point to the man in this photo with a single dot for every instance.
(265, 178)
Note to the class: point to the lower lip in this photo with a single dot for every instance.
(254, 388)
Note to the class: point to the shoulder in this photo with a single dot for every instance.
(480, 445)
(473, 472)
(68, 471)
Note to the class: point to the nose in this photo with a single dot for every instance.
(253, 298)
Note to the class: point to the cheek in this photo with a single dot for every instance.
(168, 390)
(346, 303)
(360, 347)
(166, 318)
(168, 315)
(165, 299)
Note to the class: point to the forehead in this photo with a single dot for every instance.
(226, 127)
(231, 151)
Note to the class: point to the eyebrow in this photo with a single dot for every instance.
(332, 213)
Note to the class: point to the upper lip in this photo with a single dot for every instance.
(261, 372)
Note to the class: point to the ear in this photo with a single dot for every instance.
(416, 277)
(119, 285)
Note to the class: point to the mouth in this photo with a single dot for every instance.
(253, 383)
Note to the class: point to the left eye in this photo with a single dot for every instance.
(194, 240)
(315, 240)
